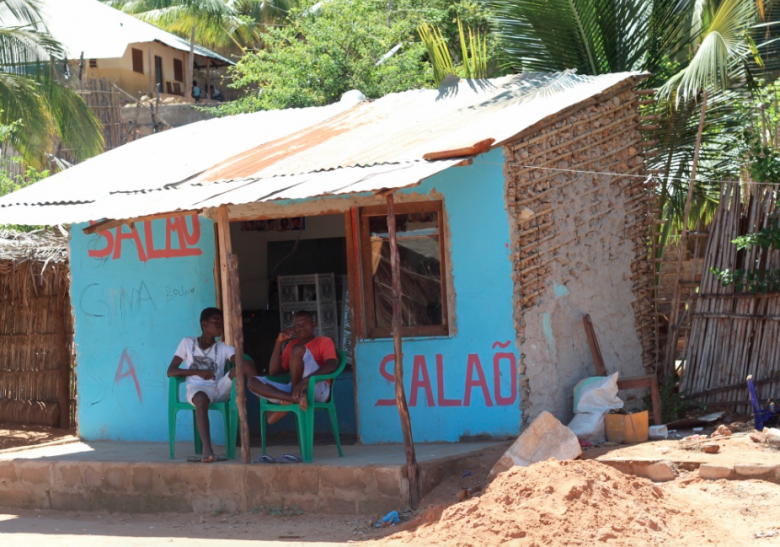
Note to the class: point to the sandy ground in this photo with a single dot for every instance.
(20, 435)
(558, 506)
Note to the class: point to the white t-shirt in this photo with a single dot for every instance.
(212, 359)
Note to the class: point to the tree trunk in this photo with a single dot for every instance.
(191, 62)
(674, 316)
(400, 396)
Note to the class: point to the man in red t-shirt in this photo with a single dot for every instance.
(306, 355)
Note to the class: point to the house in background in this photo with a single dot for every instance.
(521, 205)
(138, 57)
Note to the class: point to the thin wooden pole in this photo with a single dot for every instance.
(208, 78)
(190, 66)
(64, 358)
(674, 316)
(236, 324)
(225, 250)
(400, 396)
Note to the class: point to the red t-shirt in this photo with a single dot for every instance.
(321, 348)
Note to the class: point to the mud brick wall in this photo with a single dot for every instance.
(580, 247)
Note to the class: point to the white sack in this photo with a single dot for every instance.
(593, 398)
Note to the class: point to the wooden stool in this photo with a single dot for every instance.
(638, 382)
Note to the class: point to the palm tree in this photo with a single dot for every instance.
(32, 95)
(686, 45)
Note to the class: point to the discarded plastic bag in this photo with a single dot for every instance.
(594, 397)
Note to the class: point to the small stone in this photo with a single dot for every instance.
(710, 448)
(722, 431)
(757, 437)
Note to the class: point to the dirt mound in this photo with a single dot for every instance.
(562, 503)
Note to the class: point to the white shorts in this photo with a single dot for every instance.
(217, 392)
(310, 366)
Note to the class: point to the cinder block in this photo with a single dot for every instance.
(656, 471)
(142, 478)
(390, 482)
(227, 479)
(715, 472)
(93, 477)
(35, 473)
(115, 478)
(301, 480)
(545, 438)
(343, 483)
(70, 475)
(17, 497)
(65, 501)
(8, 472)
(755, 471)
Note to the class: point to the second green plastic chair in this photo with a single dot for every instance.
(306, 418)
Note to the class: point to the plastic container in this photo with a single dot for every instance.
(658, 432)
(627, 428)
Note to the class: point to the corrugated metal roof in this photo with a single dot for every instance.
(102, 32)
(348, 147)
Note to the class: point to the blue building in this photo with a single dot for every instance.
(521, 205)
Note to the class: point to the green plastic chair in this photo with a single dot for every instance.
(306, 418)
(229, 411)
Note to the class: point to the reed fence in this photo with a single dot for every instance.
(36, 363)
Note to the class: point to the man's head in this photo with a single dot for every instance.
(211, 322)
(303, 325)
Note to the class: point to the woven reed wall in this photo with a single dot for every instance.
(35, 344)
(568, 217)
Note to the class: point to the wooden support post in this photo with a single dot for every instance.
(225, 250)
(208, 78)
(190, 68)
(674, 316)
(63, 357)
(236, 326)
(400, 396)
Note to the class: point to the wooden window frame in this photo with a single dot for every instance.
(178, 70)
(138, 60)
(367, 294)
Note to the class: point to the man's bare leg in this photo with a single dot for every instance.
(296, 372)
(201, 402)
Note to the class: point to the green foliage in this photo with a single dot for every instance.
(750, 281)
(768, 236)
(474, 53)
(32, 92)
(675, 406)
(226, 26)
(12, 183)
(322, 53)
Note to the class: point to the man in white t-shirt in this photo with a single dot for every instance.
(202, 360)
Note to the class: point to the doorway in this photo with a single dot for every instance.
(284, 266)
(158, 74)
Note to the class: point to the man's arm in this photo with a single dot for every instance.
(174, 370)
(275, 366)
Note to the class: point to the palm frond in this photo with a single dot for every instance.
(723, 42)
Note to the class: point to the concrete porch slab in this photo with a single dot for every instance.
(139, 477)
